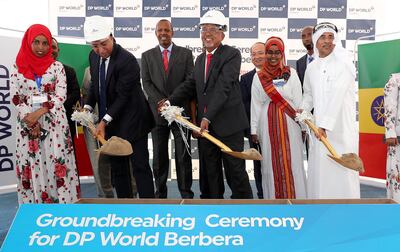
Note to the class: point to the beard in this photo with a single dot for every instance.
(309, 46)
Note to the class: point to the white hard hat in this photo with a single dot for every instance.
(96, 28)
(214, 17)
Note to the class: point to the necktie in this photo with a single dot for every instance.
(209, 57)
(165, 60)
(311, 58)
(103, 89)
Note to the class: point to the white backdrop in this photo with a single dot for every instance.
(8, 50)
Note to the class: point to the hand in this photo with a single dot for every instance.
(101, 129)
(161, 105)
(392, 141)
(321, 133)
(254, 139)
(195, 134)
(35, 131)
(31, 119)
(204, 125)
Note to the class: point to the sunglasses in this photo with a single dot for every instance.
(325, 25)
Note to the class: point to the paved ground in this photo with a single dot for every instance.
(9, 204)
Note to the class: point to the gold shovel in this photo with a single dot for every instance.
(348, 160)
(250, 154)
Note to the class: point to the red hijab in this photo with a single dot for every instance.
(28, 63)
(269, 72)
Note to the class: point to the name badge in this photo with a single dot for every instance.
(279, 82)
(38, 100)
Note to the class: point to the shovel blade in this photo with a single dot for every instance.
(250, 154)
(116, 146)
(351, 161)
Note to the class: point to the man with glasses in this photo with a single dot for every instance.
(164, 68)
(220, 110)
(329, 88)
(257, 53)
(123, 108)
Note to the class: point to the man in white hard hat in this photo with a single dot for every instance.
(123, 108)
(215, 81)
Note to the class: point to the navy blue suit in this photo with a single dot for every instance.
(245, 86)
(132, 119)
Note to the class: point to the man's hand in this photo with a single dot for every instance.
(162, 104)
(254, 139)
(100, 130)
(321, 133)
(195, 134)
(204, 125)
(392, 141)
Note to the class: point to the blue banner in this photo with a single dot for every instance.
(204, 228)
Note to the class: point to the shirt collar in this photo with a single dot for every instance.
(169, 48)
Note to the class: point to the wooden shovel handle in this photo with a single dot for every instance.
(93, 131)
(204, 133)
(323, 139)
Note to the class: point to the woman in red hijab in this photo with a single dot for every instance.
(275, 96)
(45, 163)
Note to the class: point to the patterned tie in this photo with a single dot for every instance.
(165, 60)
(311, 58)
(209, 57)
(103, 89)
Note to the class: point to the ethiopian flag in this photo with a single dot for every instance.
(376, 61)
(77, 57)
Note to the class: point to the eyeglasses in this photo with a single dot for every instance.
(325, 25)
(276, 53)
(210, 30)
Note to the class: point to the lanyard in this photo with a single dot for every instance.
(38, 81)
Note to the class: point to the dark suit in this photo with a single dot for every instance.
(301, 65)
(219, 100)
(131, 119)
(246, 80)
(159, 85)
(73, 95)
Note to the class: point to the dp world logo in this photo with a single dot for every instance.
(378, 111)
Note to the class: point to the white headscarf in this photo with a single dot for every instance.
(338, 52)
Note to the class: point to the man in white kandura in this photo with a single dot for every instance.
(329, 88)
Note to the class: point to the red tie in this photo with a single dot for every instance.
(209, 57)
(165, 60)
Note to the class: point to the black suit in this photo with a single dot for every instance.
(301, 65)
(219, 100)
(159, 85)
(246, 80)
(131, 119)
(73, 95)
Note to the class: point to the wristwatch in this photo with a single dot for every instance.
(105, 121)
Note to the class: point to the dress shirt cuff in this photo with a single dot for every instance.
(108, 118)
(88, 107)
(206, 120)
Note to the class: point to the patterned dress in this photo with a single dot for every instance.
(392, 128)
(45, 166)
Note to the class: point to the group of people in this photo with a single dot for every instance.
(262, 106)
